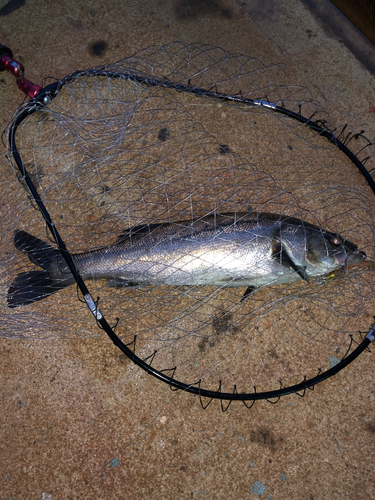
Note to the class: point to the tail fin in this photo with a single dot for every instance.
(32, 286)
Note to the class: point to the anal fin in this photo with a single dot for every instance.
(121, 283)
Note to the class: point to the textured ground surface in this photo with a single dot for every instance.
(77, 419)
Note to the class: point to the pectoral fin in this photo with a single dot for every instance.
(281, 255)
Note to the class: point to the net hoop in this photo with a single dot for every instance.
(49, 93)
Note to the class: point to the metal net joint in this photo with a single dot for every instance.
(371, 334)
(93, 307)
(265, 104)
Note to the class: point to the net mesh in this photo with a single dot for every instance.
(113, 151)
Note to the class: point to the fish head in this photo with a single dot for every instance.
(331, 251)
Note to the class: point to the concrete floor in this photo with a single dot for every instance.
(77, 419)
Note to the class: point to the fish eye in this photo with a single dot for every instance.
(336, 240)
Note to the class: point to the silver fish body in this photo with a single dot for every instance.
(231, 249)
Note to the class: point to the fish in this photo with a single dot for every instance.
(242, 249)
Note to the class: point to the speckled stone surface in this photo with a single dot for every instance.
(77, 419)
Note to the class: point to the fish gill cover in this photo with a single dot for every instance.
(146, 141)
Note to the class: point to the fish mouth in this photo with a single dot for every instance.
(343, 259)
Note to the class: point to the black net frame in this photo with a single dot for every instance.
(340, 140)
